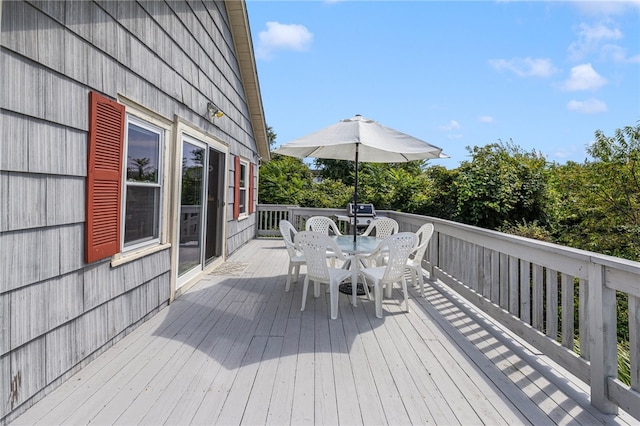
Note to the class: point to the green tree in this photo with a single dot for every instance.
(271, 136)
(616, 189)
(441, 197)
(283, 178)
(597, 203)
(326, 194)
(502, 184)
(342, 170)
(401, 187)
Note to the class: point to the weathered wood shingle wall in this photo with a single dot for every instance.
(56, 312)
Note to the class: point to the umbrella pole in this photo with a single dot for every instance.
(355, 199)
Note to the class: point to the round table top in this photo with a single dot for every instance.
(362, 245)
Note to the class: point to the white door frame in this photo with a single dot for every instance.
(187, 132)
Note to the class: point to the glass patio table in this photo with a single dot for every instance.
(355, 251)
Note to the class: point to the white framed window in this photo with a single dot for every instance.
(244, 187)
(143, 183)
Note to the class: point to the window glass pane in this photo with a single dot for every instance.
(143, 151)
(141, 221)
(243, 175)
(191, 208)
(243, 198)
(243, 188)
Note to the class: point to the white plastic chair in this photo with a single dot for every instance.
(296, 258)
(414, 263)
(326, 226)
(323, 225)
(400, 246)
(384, 226)
(314, 247)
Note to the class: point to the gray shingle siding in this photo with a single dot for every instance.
(56, 312)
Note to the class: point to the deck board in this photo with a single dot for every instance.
(257, 407)
(236, 349)
(304, 384)
(347, 405)
(365, 386)
(282, 397)
(325, 398)
(390, 398)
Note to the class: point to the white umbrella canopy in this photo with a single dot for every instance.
(371, 141)
(360, 139)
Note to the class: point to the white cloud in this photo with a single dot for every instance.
(590, 106)
(525, 67)
(283, 37)
(606, 8)
(591, 38)
(616, 53)
(453, 124)
(485, 119)
(584, 77)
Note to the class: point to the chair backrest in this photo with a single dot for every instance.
(400, 245)
(288, 232)
(424, 233)
(383, 226)
(314, 248)
(322, 225)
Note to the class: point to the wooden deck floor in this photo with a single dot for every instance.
(236, 349)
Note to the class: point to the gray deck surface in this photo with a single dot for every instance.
(236, 349)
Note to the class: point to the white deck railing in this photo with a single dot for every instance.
(530, 286)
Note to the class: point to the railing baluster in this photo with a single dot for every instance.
(525, 291)
(478, 258)
(583, 307)
(504, 281)
(537, 317)
(634, 341)
(552, 304)
(568, 330)
(495, 277)
(486, 273)
(514, 293)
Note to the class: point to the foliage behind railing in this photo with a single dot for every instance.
(530, 287)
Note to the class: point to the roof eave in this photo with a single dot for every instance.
(240, 30)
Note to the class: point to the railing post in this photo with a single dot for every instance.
(602, 338)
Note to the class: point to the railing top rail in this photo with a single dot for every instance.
(268, 206)
(503, 242)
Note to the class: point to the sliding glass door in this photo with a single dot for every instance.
(201, 207)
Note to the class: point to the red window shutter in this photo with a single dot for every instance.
(251, 188)
(104, 177)
(236, 189)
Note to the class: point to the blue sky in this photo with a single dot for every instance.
(545, 75)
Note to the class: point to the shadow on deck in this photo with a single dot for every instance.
(236, 349)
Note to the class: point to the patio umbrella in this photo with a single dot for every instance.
(360, 139)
